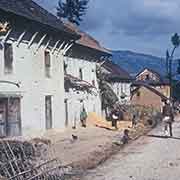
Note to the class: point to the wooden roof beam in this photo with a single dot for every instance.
(67, 48)
(55, 46)
(32, 39)
(40, 42)
(6, 36)
(47, 44)
(60, 48)
(20, 38)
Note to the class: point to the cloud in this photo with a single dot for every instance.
(141, 25)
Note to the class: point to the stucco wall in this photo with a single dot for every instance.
(77, 99)
(29, 72)
(164, 89)
(121, 88)
(143, 76)
(145, 97)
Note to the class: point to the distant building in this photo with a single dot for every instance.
(31, 75)
(120, 81)
(81, 84)
(146, 95)
(153, 79)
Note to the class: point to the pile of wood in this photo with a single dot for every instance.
(29, 160)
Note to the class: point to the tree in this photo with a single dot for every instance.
(175, 40)
(72, 10)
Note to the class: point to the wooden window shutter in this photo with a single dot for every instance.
(47, 64)
(8, 58)
(47, 59)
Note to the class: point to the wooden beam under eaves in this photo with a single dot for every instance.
(60, 48)
(6, 36)
(32, 39)
(55, 46)
(40, 42)
(47, 44)
(20, 38)
(68, 47)
(65, 48)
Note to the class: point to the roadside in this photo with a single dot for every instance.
(151, 157)
(93, 145)
(71, 152)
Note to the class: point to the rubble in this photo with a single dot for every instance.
(29, 160)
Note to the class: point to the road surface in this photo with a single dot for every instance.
(148, 158)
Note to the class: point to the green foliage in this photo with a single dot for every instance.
(72, 10)
(108, 96)
(176, 89)
(175, 39)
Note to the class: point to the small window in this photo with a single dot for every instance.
(138, 94)
(93, 82)
(47, 64)
(80, 74)
(147, 77)
(65, 68)
(48, 111)
(8, 58)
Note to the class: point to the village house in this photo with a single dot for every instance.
(81, 83)
(153, 79)
(120, 81)
(32, 47)
(145, 95)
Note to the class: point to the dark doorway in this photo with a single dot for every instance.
(66, 112)
(10, 117)
(48, 111)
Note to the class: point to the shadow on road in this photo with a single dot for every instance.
(163, 137)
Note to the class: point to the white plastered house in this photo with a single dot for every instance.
(80, 65)
(32, 49)
(120, 81)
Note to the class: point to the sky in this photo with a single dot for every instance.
(143, 26)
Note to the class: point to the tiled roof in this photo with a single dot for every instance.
(32, 11)
(115, 71)
(86, 39)
(77, 83)
(151, 89)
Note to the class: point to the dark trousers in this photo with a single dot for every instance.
(114, 123)
(170, 128)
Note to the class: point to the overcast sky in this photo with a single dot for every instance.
(143, 26)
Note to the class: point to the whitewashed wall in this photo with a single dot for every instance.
(29, 72)
(91, 102)
(121, 88)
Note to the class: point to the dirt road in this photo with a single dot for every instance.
(148, 158)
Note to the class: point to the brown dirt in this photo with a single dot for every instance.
(94, 144)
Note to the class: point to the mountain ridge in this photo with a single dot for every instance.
(134, 62)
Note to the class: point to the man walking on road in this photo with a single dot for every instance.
(168, 117)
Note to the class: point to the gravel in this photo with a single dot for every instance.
(148, 158)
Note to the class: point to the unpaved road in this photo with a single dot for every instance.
(148, 158)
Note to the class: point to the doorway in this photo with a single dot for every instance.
(66, 113)
(10, 117)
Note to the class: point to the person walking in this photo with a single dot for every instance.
(114, 117)
(168, 118)
(83, 117)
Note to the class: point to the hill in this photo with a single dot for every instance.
(135, 62)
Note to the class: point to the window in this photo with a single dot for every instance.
(8, 58)
(47, 64)
(48, 111)
(65, 68)
(80, 74)
(138, 94)
(93, 82)
(147, 77)
(66, 112)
